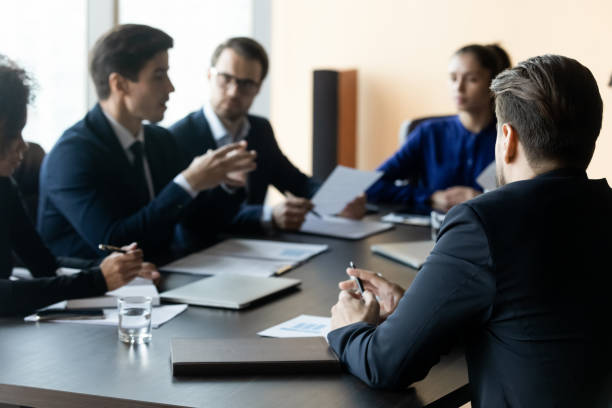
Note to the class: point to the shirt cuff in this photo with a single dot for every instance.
(228, 189)
(266, 217)
(184, 184)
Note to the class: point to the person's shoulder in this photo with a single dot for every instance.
(438, 123)
(187, 123)
(259, 122)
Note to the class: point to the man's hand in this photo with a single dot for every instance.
(119, 269)
(444, 200)
(350, 310)
(220, 166)
(356, 209)
(290, 214)
(389, 294)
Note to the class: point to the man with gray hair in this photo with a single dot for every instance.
(516, 274)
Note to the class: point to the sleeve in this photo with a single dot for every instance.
(23, 297)
(95, 210)
(26, 242)
(283, 174)
(405, 164)
(454, 290)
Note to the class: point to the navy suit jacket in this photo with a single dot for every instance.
(518, 274)
(243, 209)
(90, 194)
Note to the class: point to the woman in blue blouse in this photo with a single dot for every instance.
(443, 157)
(18, 236)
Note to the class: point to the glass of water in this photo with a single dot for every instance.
(134, 319)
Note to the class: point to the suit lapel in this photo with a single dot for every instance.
(205, 137)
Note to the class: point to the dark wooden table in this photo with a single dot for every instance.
(71, 365)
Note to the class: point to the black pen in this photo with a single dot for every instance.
(356, 279)
(111, 248)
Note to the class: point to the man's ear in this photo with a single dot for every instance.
(118, 84)
(509, 142)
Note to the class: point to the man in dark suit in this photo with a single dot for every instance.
(516, 273)
(111, 179)
(238, 68)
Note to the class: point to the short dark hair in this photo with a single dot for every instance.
(554, 104)
(125, 50)
(491, 57)
(247, 48)
(15, 94)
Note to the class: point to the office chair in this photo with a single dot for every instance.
(409, 125)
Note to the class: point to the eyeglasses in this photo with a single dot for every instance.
(245, 86)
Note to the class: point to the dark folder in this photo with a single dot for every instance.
(256, 355)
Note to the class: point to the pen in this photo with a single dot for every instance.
(111, 248)
(356, 279)
(313, 212)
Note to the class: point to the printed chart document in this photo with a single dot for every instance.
(246, 257)
(341, 187)
(340, 227)
(301, 326)
(488, 178)
(159, 316)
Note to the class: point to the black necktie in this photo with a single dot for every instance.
(137, 150)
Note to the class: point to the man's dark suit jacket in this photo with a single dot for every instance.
(90, 193)
(17, 235)
(523, 274)
(243, 209)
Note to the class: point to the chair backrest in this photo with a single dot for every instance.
(409, 125)
(27, 175)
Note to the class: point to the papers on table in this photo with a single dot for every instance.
(408, 219)
(159, 316)
(341, 187)
(301, 326)
(488, 178)
(342, 227)
(246, 257)
(137, 287)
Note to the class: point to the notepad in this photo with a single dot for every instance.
(255, 355)
(411, 253)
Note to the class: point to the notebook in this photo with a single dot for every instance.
(255, 355)
(412, 253)
(230, 291)
(339, 227)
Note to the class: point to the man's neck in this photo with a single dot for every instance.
(119, 112)
(475, 122)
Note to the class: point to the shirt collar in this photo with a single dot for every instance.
(218, 129)
(125, 137)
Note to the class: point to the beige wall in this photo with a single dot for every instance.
(401, 49)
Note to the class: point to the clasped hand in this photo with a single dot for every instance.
(352, 307)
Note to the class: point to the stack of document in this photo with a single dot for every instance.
(342, 186)
(137, 287)
(246, 257)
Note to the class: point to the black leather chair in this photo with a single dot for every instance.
(409, 125)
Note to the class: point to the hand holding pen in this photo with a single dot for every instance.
(291, 213)
(124, 264)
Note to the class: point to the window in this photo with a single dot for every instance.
(49, 41)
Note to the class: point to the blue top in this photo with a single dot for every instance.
(440, 153)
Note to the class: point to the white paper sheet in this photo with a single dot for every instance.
(341, 187)
(246, 257)
(159, 316)
(488, 178)
(137, 287)
(301, 326)
(408, 219)
(342, 227)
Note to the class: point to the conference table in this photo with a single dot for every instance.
(73, 365)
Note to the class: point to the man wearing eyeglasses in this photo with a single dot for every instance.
(238, 68)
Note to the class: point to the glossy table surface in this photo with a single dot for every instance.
(71, 365)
